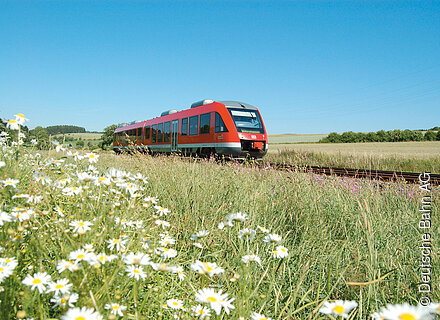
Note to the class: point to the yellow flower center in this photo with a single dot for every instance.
(407, 316)
(115, 307)
(201, 311)
(175, 303)
(339, 309)
(80, 256)
(136, 271)
(20, 115)
(81, 223)
(211, 299)
(2, 269)
(36, 281)
(63, 300)
(80, 318)
(59, 286)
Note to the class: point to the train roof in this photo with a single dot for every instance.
(237, 104)
(199, 104)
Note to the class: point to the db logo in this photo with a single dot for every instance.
(253, 136)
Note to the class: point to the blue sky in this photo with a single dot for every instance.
(309, 66)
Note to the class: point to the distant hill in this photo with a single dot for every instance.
(64, 129)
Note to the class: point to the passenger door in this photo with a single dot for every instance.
(174, 134)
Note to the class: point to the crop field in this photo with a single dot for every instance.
(140, 237)
(397, 156)
(83, 135)
(294, 138)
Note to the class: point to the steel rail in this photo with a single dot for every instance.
(409, 177)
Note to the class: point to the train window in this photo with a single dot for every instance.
(166, 131)
(147, 133)
(219, 124)
(184, 128)
(153, 134)
(139, 133)
(205, 123)
(247, 120)
(193, 125)
(160, 132)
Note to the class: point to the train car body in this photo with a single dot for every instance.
(229, 128)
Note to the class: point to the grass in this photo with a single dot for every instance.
(396, 156)
(337, 231)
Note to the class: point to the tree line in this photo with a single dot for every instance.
(62, 129)
(382, 136)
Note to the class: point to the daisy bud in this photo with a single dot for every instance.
(111, 317)
(21, 314)
(11, 232)
(20, 229)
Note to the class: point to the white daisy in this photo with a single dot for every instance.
(137, 258)
(83, 314)
(280, 252)
(208, 268)
(66, 300)
(136, 272)
(216, 300)
(115, 308)
(338, 308)
(201, 311)
(258, 316)
(251, 258)
(161, 210)
(60, 287)
(405, 312)
(272, 238)
(92, 157)
(175, 304)
(19, 117)
(39, 281)
(80, 226)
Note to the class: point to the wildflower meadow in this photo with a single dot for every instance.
(101, 236)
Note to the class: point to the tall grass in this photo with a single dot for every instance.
(373, 162)
(347, 239)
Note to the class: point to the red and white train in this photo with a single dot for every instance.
(229, 128)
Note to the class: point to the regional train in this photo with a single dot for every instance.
(226, 128)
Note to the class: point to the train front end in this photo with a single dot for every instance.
(250, 130)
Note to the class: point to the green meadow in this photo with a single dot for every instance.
(335, 239)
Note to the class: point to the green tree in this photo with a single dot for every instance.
(80, 144)
(42, 137)
(107, 137)
(331, 138)
(430, 135)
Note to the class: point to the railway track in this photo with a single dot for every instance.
(409, 177)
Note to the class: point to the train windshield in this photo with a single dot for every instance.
(247, 121)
